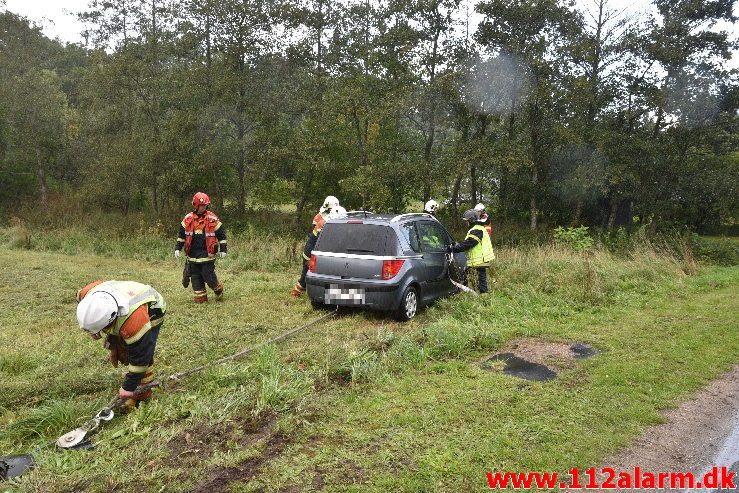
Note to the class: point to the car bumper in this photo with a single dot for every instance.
(376, 295)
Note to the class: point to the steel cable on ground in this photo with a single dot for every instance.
(178, 376)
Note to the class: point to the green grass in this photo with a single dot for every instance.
(359, 402)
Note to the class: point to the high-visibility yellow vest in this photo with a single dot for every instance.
(481, 254)
(130, 295)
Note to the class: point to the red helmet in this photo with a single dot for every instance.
(200, 199)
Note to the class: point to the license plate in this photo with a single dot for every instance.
(349, 296)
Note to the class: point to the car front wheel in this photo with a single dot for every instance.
(408, 305)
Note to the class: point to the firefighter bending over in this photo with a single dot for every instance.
(130, 314)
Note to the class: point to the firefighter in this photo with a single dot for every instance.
(478, 247)
(202, 236)
(330, 209)
(485, 219)
(130, 314)
(431, 207)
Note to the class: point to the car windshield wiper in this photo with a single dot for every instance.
(359, 250)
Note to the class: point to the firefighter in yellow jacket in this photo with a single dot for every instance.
(479, 248)
(130, 314)
(202, 237)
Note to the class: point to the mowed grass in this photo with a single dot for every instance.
(359, 402)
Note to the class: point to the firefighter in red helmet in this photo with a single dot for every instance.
(203, 237)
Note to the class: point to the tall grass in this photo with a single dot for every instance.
(546, 282)
(135, 238)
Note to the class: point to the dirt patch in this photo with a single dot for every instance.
(693, 438)
(352, 472)
(220, 478)
(202, 439)
(559, 355)
(547, 353)
(318, 482)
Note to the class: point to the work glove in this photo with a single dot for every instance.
(128, 394)
(118, 352)
(176, 254)
(125, 394)
(186, 275)
(222, 254)
(129, 403)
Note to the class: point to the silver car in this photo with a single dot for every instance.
(395, 263)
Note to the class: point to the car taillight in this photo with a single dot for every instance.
(355, 222)
(312, 263)
(390, 268)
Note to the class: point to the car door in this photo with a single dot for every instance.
(434, 240)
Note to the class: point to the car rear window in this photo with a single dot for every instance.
(359, 239)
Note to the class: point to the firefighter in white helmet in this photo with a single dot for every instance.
(431, 207)
(478, 247)
(485, 219)
(130, 314)
(329, 210)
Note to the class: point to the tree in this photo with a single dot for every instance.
(37, 115)
(535, 33)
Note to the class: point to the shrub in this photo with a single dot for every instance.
(576, 238)
(716, 250)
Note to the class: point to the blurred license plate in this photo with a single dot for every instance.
(350, 296)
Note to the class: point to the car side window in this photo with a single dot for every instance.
(411, 236)
(434, 237)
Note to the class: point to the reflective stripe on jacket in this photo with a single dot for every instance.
(206, 224)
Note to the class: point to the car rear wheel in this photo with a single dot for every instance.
(408, 305)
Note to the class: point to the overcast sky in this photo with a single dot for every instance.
(58, 19)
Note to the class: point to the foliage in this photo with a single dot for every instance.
(716, 250)
(548, 113)
(576, 238)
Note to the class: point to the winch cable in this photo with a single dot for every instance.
(281, 337)
(458, 285)
(94, 422)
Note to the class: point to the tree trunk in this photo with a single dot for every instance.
(427, 158)
(473, 184)
(612, 213)
(304, 196)
(432, 118)
(241, 170)
(503, 195)
(319, 35)
(361, 136)
(576, 214)
(534, 185)
(217, 185)
(41, 172)
(455, 195)
(155, 193)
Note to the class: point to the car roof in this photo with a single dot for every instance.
(383, 219)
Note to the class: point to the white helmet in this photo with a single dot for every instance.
(96, 311)
(480, 207)
(329, 203)
(337, 212)
(431, 207)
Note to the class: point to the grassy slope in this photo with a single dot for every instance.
(418, 415)
(440, 428)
